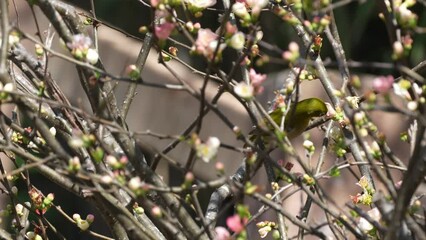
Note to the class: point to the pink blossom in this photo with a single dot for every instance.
(154, 3)
(230, 29)
(207, 42)
(235, 223)
(221, 234)
(382, 84)
(205, 37)
(256, 80)
(398, 184)
(197, 25)
(163, 31)
(287, 55)
(80, 42)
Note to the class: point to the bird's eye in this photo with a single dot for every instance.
(318, 113)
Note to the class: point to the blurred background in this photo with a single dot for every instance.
(364, 39)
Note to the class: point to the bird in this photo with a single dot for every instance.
(297, 118)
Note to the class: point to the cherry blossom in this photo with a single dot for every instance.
(256, 6)
(244, 90)
(237, 41)
(207, 42)
(163, 31)
(383, 84)
(235, 223)
(222, 234)
(208, 150)
(201, 4)
(256, 80)
(80, 42)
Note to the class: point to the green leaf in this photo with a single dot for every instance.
(98, 154)
(334, 171)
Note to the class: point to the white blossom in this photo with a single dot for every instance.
(9, 87)
(135, 183)
(237, 41)
(201, 4)
(92, 56)
(365, 225)
(208, 150)
(412, 105)
(244, 90)
(53, 131)
(239, 9)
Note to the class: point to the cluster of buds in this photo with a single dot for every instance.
(402, 89)
(286, 16)
(308, 180)
(317, 45)
(82, 140)
(205, 151)
(318, 24)
(14, 38)
(188, 180)
(241, 10)
(39, 50)
(5, 90)
(40, 202)
(18, 138)
(133, 72)
(374, 150)
(405, 17)
(97, 154)
(74, 164)
(83, 224)
(137, 209)
(24, 139)
(250, 188)
(308, 73)
(309, 147)
(116, 164)
(80, 47)
(308, 6)
(363, 124)
(197, 6)
(402, 48)
(292, 54)
(137, 186)
(339, 145)
(118, 167)
(192, 27)
(266, 227)
(248, 91)
(366, 197)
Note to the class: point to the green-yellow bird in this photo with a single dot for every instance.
(298, 116)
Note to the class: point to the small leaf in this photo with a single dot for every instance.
(98, 154)
(334, 171)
